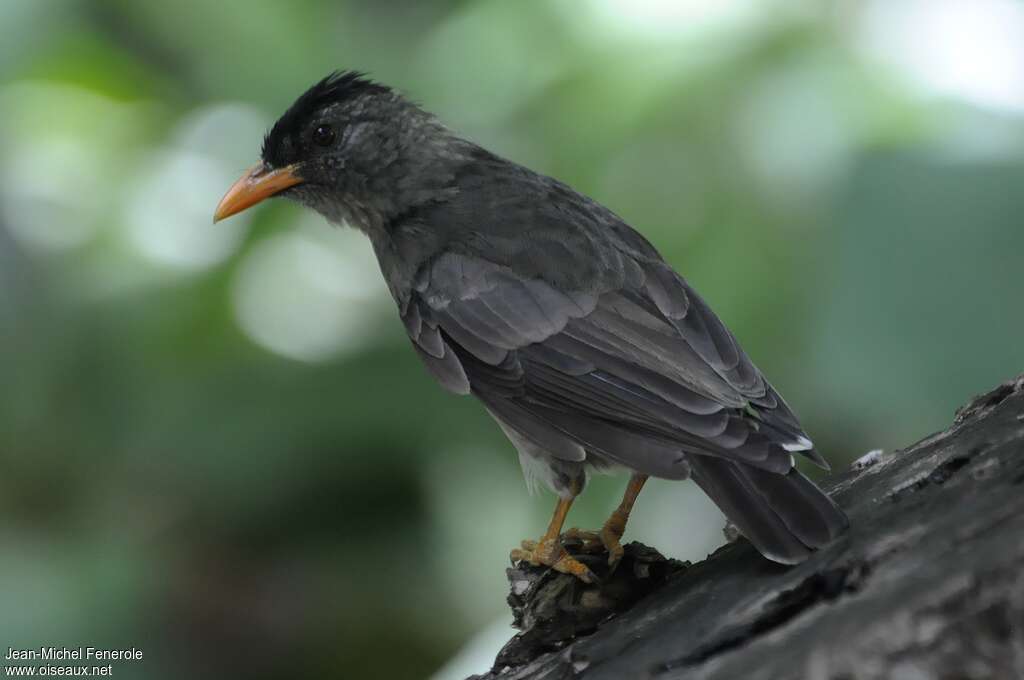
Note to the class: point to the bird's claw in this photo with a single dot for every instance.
(552, 554)
(608, 539)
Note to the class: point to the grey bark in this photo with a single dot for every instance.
(927, 584)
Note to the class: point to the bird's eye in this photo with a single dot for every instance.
(323, 135)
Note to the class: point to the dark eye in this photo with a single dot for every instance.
(323, 135)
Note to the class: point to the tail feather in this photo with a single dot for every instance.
(785, 516)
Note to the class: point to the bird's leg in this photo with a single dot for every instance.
(549, 551)
(613, 529)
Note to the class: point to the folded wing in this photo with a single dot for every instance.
(641, 375)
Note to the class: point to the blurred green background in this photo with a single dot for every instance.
(215, 443)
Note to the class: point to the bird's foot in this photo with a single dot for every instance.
(549, 552)
(607, 539)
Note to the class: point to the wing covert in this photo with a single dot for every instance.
(640, 374)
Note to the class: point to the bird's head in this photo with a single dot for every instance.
(349, 148)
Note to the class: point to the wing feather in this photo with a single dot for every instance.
(642, 374)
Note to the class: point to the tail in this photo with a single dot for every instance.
(785, 516)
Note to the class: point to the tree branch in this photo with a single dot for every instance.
(928, 583)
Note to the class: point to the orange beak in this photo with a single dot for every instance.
(255, 185)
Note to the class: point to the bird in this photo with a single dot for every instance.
(589, 350)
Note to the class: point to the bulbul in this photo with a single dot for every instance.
(589, 351)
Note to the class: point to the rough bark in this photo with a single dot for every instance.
(928, 583)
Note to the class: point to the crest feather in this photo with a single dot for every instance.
(337, 87)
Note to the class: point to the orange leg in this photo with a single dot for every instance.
(549, 551)
(613, 529)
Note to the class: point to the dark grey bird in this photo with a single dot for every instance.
(588, 349)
